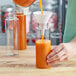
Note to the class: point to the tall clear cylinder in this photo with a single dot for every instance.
(11, 34)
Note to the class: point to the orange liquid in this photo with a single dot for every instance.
(42, 37)
(21, 40)
(42, 50)
(41, 6)
(24, 3)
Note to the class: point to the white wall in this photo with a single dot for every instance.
(4, 2)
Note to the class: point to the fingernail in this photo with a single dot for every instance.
(47, 57)
(47, 61)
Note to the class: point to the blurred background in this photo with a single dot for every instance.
(56, 22)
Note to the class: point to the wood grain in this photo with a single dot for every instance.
(24, 65)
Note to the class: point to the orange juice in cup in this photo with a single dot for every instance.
(43, 48)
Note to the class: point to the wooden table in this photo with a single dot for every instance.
(24, 65)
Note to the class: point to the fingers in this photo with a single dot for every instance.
(59, 54)
(56, 56)
(63, 58)
(53, 49)
(59, 48)
(53, 62)
(56, 50)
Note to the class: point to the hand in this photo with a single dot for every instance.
(62, 52)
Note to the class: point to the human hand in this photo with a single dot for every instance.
(62, 52)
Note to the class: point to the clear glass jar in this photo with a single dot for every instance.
(11, 22)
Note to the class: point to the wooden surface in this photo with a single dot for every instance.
(24, 65)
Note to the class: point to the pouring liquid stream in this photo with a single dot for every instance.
(41, 6)
(42, 14)
(42, 37)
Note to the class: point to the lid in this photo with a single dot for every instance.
(7, 8)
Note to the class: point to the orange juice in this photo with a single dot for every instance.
(24, 3)
(42, 37)
(21, 44)
(41, 6)
(42, 50)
